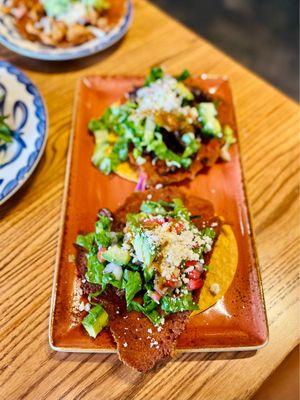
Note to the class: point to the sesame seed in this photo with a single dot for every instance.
(158, 186)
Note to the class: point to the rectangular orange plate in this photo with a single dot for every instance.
(238, 320)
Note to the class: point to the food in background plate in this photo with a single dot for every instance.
(144, 268)
(162, 132)
(63, 23)
(6, 133)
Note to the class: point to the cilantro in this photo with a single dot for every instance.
(155, 74)
(184, 75)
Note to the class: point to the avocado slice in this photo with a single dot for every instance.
(95, 321)
(116, 255)
(184, 91)
(143, 249)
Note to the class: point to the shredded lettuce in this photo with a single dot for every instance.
(94, 269)
(103, 236)
(86, 241)
(148, 309)
(176, 304)
(132, 284)
(110, 279)
(228, 135)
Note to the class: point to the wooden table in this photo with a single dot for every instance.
(269, 126)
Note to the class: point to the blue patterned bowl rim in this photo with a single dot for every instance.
(40, 113)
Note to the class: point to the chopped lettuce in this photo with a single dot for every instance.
(103, 236)
(132, 284)
(180, 211)
(94, 269)
(210, 232)
(153, 207)
(228, 135)
(109, 278)
(148, 309)
(171, 304)
(86, 241)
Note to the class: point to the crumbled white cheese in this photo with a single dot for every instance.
(87, 307)
(163, 95)
(153, 343)
(174, 247)
(160, 95)
(189, 269)
(125, 344)
(215, 289)
(149, 330)
(158, 186)
(149, 196)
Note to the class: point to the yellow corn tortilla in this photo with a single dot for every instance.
(222, 268)
(124, 170)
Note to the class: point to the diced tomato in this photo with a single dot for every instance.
(194, 275)
(190, 263)
(178, 227)
(194, 284)
(99, 254)
(171, 284)
(151, 222)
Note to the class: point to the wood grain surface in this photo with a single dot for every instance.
(269, 132)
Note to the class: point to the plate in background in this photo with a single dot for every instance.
(11, 38)
(237, 321)
(22, 102)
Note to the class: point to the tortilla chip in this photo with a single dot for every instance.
(222, 267)
(125, 171)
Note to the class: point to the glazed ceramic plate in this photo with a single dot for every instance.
(22, 102)
(120, 16)
(238, 320)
